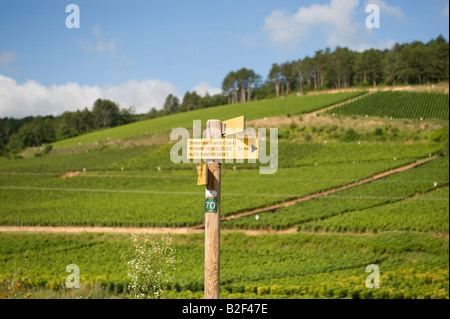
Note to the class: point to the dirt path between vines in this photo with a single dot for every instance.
(200, 228)
(130, 230)
(275, 207)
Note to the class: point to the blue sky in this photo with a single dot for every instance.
(136, 52)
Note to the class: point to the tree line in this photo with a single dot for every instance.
(191, 101)
(408, 63)
(17, 134)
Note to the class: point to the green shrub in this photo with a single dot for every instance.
(350, 135)
(378, 131)
(47, 149)
(439, 136)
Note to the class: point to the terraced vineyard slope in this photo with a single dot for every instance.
(410, 105)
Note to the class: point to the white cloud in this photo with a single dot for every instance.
(86, 46)
(395, 12)
(204, 88)
(100, 45)
(445, 11)
(335, 21)
(6, 58)
(33, 98)
(143, 95)
(381, 45)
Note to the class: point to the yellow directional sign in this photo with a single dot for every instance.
(202, 174)
(226, 148)
(233, 126)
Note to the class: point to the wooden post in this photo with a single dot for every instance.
(212, 219)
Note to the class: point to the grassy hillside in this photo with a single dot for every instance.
(252, 110)
(399, 222)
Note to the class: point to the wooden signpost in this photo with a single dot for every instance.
(212, 218)
(212, 149)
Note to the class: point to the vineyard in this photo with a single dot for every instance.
(120, 198)
(266, 266)
(318, 247)
(148, 159)
(425, 213)
(379, 193)
(409, 105)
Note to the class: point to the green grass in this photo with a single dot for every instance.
(411, 105)
(268, 266)
(251, 110)
(94, 159)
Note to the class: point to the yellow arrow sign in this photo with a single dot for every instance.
(226, 148)
(233, 126)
